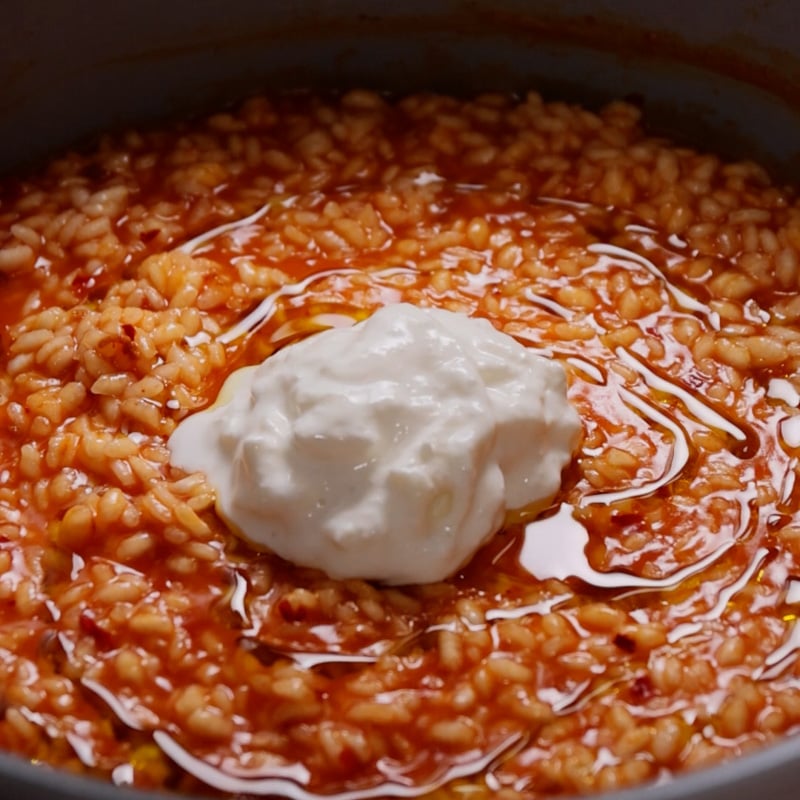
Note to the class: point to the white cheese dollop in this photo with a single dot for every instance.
(390, 450)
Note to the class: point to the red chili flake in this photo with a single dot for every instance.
(291, 612)
(129, 330)
(81, 284)
(641, 689)
(51, 648)
(94, 629)
(263, 652)
(626, 520)
(625, 643)
(119, 350)
(148, 235)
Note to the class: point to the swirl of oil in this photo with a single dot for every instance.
(243, 229)
(678, 458)
(568, 560)
(724, 597)
(682, 299)
(289, 781)
(700, 410)
(194, 246)
(261, 315)
(539, 555)
(552, 547)
(785, 654)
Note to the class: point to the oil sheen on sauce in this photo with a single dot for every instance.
(626, 538)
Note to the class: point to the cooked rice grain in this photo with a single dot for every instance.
(116, 573)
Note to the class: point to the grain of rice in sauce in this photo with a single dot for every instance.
(140, 641)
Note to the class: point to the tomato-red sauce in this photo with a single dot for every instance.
(143, 642)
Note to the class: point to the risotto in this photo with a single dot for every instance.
(643, 626)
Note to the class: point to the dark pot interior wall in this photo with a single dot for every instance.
(725, 75)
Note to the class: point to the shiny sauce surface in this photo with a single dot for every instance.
(658, 594)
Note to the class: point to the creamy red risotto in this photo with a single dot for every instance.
(641, 626)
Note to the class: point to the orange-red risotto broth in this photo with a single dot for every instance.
(644, 626)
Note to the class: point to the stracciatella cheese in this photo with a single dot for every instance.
(390, 450)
